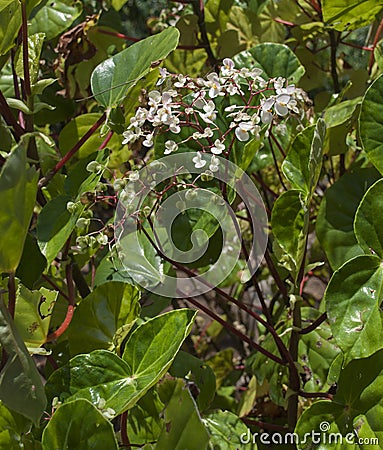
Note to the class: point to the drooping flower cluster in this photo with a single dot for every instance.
(241, 98)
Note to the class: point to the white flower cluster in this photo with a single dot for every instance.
(253, 103)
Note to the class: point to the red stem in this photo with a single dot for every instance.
(233, 330)
(73, 151)
(374, 44)
(124, 429)
(69, 315)
(24, 32)
(11, 294)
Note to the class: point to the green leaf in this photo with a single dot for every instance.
(101, 374)
(355, 411)
(146, 419)
(316, 155)
(111, 270)
(296, 164)
(18, 188)
(10, 22)
(21, 388)
(12, 427)
(196, 371)
(368, 223)
(341, 113)
(100, 314)
(353, 298)
(35, 45)
(248, 153)
(140, 260)
(276, 60)
(55, 17)
(78, 425)
(183, 426)
(336, 214)
(316, 352)
(225, 430)
(350, 14)
(371, 123)
(289, 223)
(54, 226)
(154, 344)
(33, 314)
(55, 223)
(29, 273)
(75, 130)
(303, 163)
(112, 78)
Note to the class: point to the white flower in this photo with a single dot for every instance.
(255, 73)
(207, 132)
(227, 68)
(163, 75)
(214, 85)
(181, 81)
(174, 127)
(214, 162)
(218, 147)
(148, 142)
(278, 83)
(197, 135)
(198, 161)
(131, 136)
(242, 131)
(210, 114)
(266, 110)
(189, 111)
(170, 146)
(154, 98)
(281, 104)
(232, 89)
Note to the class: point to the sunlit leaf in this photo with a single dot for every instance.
(111, 79)
(78, 425)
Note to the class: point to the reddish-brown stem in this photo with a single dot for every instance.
(233, 330)
(63, 327)
(72, 151)
(54, 285)
(69, 315)
(105, 142)
(314, 325)
(199, 11)
(11, 294)
(359, 47)
(281, 346)
(133, 39)
(24, 33)
(281, 286)
(315, 395)
(284, 22)
(124, 429)
(9, 118)
(374, 44)
(276, 164)
(16, 86)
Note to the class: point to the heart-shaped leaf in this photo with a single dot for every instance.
(112, 78)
